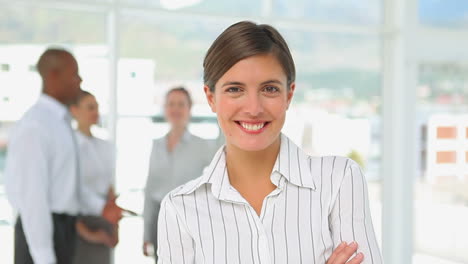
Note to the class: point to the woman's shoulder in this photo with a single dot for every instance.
(186, 189)
(160, 141)
(330, 160)
(196, 139)
(336, 166)
(104, 144)
(210, 145)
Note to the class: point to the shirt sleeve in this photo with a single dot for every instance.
(92, 201)
(28, 180)
(175, 245)
(350, 218)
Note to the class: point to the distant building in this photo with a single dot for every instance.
(447, 149)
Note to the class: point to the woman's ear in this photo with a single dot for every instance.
(210, 97)
(291, 90)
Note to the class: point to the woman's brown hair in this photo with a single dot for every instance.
(80, 97)
(182, 90)
(241, 40)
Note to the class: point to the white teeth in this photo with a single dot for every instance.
(252, 127)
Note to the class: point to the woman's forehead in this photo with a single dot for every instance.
(259, 68)
(176, 95)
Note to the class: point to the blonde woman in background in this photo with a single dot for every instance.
(175, 158)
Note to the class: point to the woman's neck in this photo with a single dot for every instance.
(86, 130)
(251, 167)
(176, 132)
(174, 136)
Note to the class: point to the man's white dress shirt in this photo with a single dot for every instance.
(41, 173)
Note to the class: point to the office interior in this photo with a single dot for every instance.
(384, 82)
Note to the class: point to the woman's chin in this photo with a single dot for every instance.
(252, 146)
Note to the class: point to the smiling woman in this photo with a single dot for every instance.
(262, 199)
(251, 106)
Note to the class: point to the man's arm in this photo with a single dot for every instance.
(27, 170)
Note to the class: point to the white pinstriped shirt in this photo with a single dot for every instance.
(318, 203)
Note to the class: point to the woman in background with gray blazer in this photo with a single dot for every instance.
(175, 158)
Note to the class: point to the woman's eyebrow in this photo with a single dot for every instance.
(271, 81)
(232, 83)
(263, 83)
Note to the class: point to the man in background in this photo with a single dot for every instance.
(42, 171)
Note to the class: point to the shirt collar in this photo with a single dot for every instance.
(292, 164)
(82, 137)
(54, 106)
(186, 136)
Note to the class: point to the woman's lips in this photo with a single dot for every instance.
(253, 127)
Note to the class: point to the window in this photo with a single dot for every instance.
(441, 187)
(331, 11)
(214, 7)
(4, 67)
(446, 13)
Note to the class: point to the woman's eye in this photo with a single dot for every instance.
(233, 90)
(271, 89)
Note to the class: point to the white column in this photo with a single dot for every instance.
(113, 56)
(267, 8)
(113, 45)
(400, 133)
